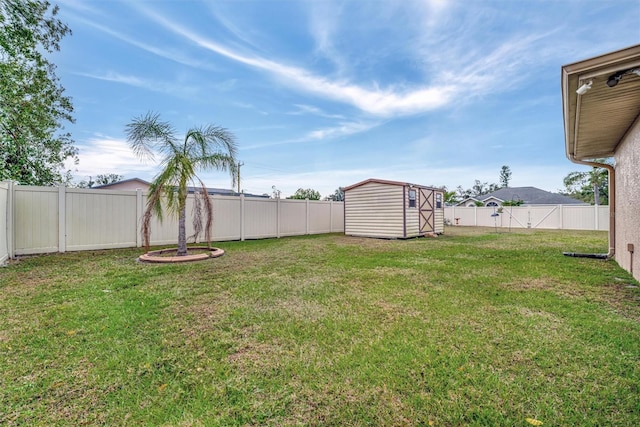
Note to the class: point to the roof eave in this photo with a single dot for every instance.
(572, 75)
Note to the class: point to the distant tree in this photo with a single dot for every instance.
(101, 179)
(302, 194)
(337, 196)
(84, 183)
(208, 147)
(33, 144)
(505, 176)
(479, 188)
(450, 197)
(108, 178)
(462, 193)
(591, 187)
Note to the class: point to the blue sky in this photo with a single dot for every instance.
(322, 94)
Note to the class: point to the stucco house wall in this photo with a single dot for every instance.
(627, 158)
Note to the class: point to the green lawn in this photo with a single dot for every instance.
(471, 328)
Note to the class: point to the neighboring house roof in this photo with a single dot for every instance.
(384, 181)
(145, 185)
(597, 120)
(529, 196)
(131, 181)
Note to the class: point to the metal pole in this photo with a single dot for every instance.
(239, 165)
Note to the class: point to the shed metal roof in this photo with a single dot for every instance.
(387, 182)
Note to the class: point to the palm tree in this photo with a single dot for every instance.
(205, 147)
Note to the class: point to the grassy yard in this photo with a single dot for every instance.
(471, 328)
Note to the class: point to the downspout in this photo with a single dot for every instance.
(612, 204)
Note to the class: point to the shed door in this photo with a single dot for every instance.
(426, 210)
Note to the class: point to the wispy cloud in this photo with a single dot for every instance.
(323, 26)
(382, 102)
(166, 52)
(343, 129)
(321, 135)
(309, 109)
(171, 88)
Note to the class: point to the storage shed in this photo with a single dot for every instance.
(392, 209)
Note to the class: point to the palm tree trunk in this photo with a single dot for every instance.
(182, 231)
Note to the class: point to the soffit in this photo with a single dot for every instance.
(597, 121)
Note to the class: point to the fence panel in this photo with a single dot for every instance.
(35, 219)
(226, 218)
(99, 220)
(293, 217)
(320, 220)
(337, 217)
(260, 218)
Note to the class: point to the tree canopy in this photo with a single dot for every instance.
(308, 193)
(101, 179)
(33, 143)
(337, 196)
(480, 188)
(591, 186)
(505, 176)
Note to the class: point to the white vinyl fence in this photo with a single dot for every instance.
(5, 188)
(564, 217)
(48, 219)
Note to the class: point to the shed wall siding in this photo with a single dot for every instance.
(439, 220)
(413, 215)
(628, 201)
(374, 210)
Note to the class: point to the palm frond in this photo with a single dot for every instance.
(208, 211)
(154, 206)
(197, 216)
(147, 133)
(221, 162)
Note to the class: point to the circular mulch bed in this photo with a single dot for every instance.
(165, 255)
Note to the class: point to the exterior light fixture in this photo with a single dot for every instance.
(615, 78)
(584, 88)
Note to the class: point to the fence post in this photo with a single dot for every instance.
(242, 217)
(596, 218)
(62, 219)
(138, 217)
(11, 229)
(307, 216)
(561, 217)
(278, 213)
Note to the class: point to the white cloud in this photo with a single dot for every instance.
(102, 154)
